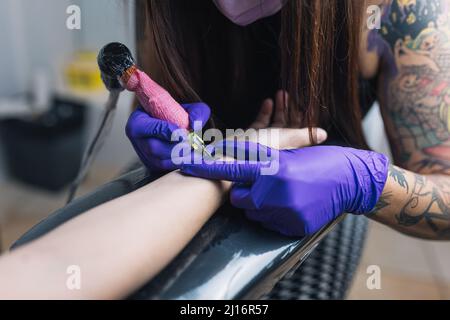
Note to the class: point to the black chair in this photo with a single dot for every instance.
(233, 258)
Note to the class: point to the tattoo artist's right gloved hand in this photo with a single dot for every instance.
(312, 187)
(151, 137)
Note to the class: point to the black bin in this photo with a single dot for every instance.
(45, 151)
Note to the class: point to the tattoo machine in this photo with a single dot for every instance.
(118, 69)
(119, 72)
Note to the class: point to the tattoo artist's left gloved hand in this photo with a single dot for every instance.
(151, 137)
(312, 187)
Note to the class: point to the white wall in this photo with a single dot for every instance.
(375, 133)
(7, 84)
(106, 21)
(33, 35)
(8, 60)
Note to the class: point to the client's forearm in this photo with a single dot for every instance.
(418, 205)
(118, 246)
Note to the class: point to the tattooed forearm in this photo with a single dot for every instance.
(414, 42)
(426, 203)
(399, 176)
(383, 202)
(413, 47)
(422, 210)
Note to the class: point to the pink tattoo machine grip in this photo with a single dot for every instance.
(119, 71)
(154, 99)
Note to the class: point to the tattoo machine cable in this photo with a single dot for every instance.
(119, 69)
(104, 128)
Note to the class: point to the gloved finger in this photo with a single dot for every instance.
(158, 148)
(160, 164)
(240, 197)
(198, 112)
(150, 161)
(141, 125)
(156, 164)
(242, 150)
(138, 151)
(237, 171)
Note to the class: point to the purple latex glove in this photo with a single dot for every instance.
(151, 137)
(313, 186)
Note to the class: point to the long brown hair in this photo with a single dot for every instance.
(310, 49)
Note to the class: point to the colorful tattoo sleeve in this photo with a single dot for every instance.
(417, 82)
(413, 45)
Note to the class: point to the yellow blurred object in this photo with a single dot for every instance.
(445, 115)
(411, 18)
(82, 73)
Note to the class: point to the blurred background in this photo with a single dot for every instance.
(51, 100)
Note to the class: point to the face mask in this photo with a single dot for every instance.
(245, 12)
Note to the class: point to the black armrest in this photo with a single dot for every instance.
(230, 258)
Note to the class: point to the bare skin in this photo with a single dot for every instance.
(121, 244)
(117, 248)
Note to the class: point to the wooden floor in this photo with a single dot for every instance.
(410, 268)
